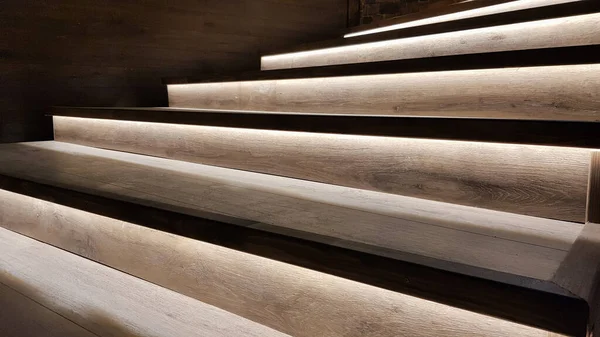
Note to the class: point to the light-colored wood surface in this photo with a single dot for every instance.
(108, 302)
(22, 317)
(562, 32)
(521, 246)
(593, 202)
(549, 93)
(450, 10)
(294, 300)
(548, 182)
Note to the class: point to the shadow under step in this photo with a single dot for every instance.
(572, 24)
(62, 294)
(498, 264)
(384, 154)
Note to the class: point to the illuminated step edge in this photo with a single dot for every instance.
(460, 11)
(100, 300)
(220, 276)
(559, 32)
(542, 181)
(505, 59)
(527, 132)
(566, 92)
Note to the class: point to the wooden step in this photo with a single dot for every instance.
(507, 59)
(87, 201)
(549, 182)
(568, 31)
(531, 132)
(100, 301)
(456, 10)
(567, 92)
(527, 15)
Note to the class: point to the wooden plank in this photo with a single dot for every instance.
(509, 59)
(21, 316)
(548, 182)
(593, 202)
(402, 224)
(108, 302)
(547, 93)
(308, 303)
(561, 32)
(554, 133)
(451, 10)
(528, 15)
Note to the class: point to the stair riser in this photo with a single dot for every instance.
(548, 182)
(293, 300)
(542, 93)
(562, 32)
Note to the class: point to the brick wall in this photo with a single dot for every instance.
(375, 10)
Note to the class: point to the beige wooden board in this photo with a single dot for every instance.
(593, 201)
(520, 246)
(450, 10)
(562, 32)
(291, 299)
(549, 182)
(543, 93)
(22, 317)
(108, 302)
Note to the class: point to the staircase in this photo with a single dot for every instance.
(439, 176)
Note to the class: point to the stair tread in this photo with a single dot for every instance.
(408, 245)
(560, 92)
(451, 10)
(502, 59)
(518, 245)
(579, 30)
(553, 11)
(107, 302)
(535, 132)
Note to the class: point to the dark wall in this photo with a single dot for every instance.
(115, 52)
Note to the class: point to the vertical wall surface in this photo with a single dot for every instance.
(115, 52)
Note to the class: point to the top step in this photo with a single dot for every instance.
(571, 24)
(451, 11)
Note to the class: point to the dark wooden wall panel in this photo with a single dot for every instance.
(110, 53)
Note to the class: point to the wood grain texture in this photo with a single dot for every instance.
(548, 93)
(561, 32)
(554, 133)
(108, 302)
(291, 299)
(522, 179)
(21, 316)
(593, 203)
(500, 19)
(410, 225)
(506, 59)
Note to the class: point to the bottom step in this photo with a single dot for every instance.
(98, 300)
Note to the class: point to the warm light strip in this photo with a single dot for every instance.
(567, 92)
(221, 277)
(472, 13)
(562, 32)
